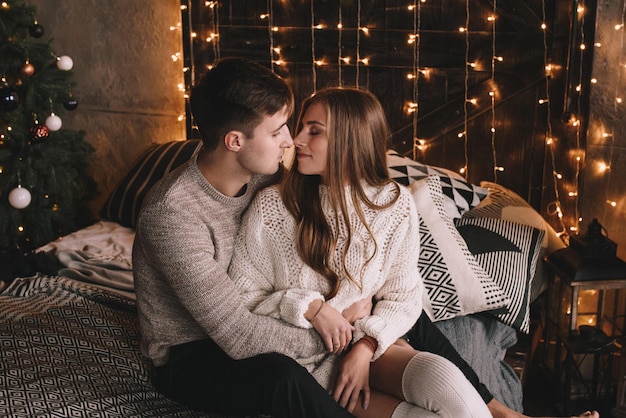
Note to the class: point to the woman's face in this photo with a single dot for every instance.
(312, 143)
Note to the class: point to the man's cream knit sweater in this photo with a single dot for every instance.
(184, 243)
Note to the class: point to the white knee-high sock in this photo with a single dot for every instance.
(436, 384)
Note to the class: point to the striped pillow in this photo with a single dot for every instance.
(124, 203)
(509, 253)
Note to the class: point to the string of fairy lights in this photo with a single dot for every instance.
(417, 73)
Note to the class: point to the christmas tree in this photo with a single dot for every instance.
(44, 180)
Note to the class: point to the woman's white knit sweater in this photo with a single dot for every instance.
(274, 281)
(184, 242)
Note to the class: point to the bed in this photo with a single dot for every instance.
(69, 342)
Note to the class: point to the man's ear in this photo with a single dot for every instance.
(233, 140)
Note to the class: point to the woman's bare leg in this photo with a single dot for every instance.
(428, 381)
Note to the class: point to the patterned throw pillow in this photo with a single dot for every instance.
(460, 195)
(508, 251)
(124, 203)
(455, 283)
(503, 203)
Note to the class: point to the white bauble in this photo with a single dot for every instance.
(53, 122)
(19, 197)
(65, 63)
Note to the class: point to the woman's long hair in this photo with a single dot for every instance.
(358, 135)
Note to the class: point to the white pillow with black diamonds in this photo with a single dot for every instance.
(509, 252)
(459, 194)
(455, 283)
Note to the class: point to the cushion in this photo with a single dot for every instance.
(455, 282)
(459, 195)
(509, 252)
(504, 203)
(124, 203)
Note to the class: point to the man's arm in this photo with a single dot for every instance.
(181, 248)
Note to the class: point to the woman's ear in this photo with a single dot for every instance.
(232, 140)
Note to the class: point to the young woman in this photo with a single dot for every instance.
(356, 234)
(338, 230)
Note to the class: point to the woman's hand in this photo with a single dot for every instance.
(353, 376)
(358, 310)
(335, 330)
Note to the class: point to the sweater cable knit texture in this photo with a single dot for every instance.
(274, 281)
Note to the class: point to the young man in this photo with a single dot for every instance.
(209, 352)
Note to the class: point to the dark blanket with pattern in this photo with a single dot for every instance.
(69, 348)
(72, 349)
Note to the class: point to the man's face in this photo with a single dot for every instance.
(263, 153)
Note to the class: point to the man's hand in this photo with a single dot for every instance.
(353, 377)
(358, 310)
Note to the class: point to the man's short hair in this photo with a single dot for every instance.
(236, 94)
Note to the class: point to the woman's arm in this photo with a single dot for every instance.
(399, 300)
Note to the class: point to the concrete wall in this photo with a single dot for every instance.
(607, 116)
(127, 82)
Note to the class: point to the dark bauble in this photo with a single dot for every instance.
(36, 30)
(9, 100)
(70, 103)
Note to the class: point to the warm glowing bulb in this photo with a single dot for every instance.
(549, 141)
(618, 27)
(275, 29)
(460, 134)
(339, 25)
(597, 44)
(411, 8)
(472, 101)
(365, 30)
(618, 100)
(578, 88)
(612, 202)
(603, 166)
(462, 29)
(580, 9)
(583, 46)
(542, 101)
(320, 26)
(264, 16)
(594, 80)
(365, 61)
(499, 168)
(462, 170)
(543, 26)
(410, 76)
(491, 18)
